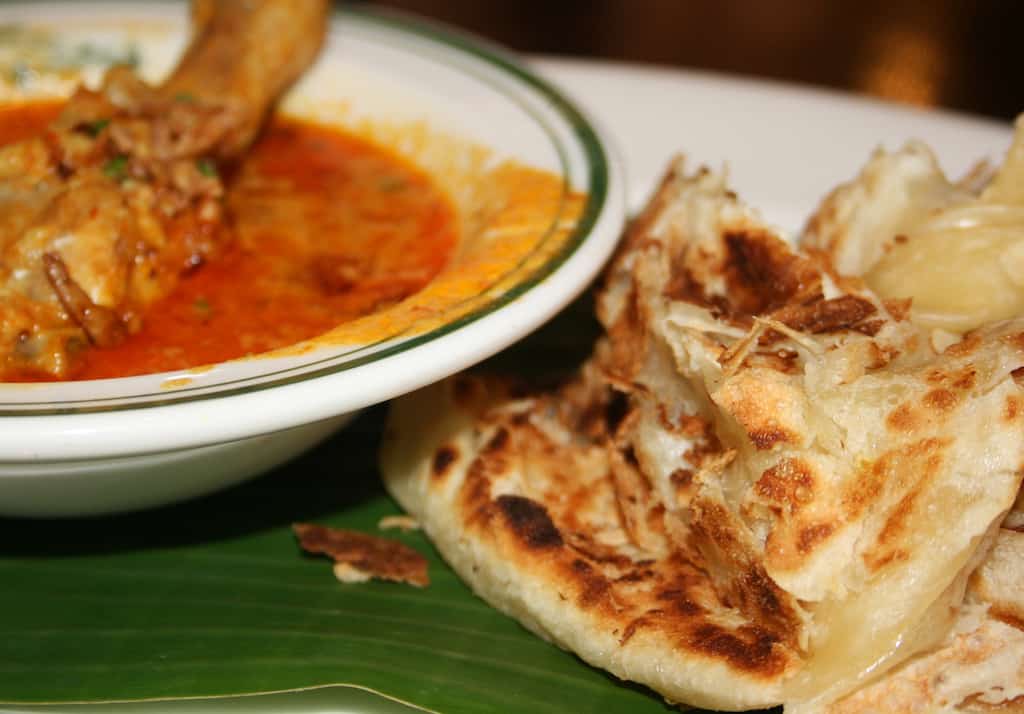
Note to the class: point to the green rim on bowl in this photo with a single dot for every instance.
(451, 49)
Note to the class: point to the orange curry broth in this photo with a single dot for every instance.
(326, 227)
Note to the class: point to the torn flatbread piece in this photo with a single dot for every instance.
(979, 666)
(358, 557)
(767, 486)
(956, 248)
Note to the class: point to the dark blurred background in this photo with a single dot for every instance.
(955, 54)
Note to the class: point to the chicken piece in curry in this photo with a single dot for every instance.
(103, 212)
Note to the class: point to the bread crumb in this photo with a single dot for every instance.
(403, 522)
(360, 556)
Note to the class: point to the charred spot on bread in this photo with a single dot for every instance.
(444, 457)
(530, 521)
(903, 418)
(763, 273)
(750, 649)
(593, 586)
(789, 483)
(822, 316)
(767, 438)
(940, 400)
(1013, 408)
(811, 536)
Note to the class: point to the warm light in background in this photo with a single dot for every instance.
(945, 53)
(904, 64)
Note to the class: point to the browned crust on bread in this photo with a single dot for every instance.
(819, 316)
(530, 522)
(557, 534)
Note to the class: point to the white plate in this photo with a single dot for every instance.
(784, 145)
(90, 447)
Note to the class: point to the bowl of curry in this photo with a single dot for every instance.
(410, 203)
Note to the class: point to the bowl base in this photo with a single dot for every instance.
(95, 487)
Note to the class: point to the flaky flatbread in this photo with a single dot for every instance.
(767, 486)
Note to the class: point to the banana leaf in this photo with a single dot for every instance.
(213, 598)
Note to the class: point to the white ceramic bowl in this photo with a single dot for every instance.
(93, 447)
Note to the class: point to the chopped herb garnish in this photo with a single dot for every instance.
(202, 306)
(94, 128)
(75, 345)
(206, 168)
(87, 54)
(390, 184)
(133, 59)
(22, 75)
(117, 167)
(184, 97)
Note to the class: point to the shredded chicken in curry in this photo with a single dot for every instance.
(102, 213)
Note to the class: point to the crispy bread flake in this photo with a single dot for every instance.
(359, 557)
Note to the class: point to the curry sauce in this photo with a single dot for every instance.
(326, 227)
